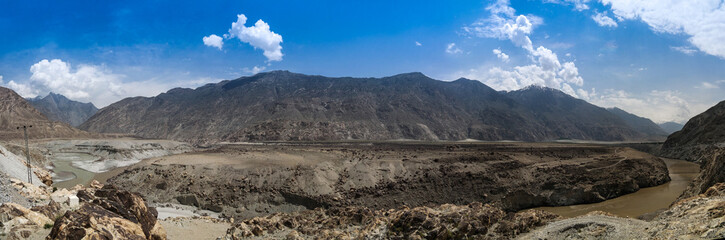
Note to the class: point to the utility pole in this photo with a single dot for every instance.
(27, 153)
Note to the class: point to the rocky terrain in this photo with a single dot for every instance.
(284, 106)
(475, 220)
(699, 138)
(698, 217)
(16, 112)
(61, 109)
(94, 212)
(244, 181)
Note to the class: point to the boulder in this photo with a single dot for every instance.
(16, 220)
(103, 208)
(91, 221)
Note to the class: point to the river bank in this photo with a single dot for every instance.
(645, 201)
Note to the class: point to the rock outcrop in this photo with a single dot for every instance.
(287, 106)
(447, 221)
(18, 222)
(698, 217)
(701, 136)
(701, 140)
(109, 213)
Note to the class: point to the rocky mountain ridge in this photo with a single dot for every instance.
(285, 106)
(16, 111)
(59, 108)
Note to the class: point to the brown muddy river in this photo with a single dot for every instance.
(646, 200)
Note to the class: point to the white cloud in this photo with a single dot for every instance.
(214, 41)
(603, 20)
(452, 49)
(254, 70)
(90, 83)
(660, 106)
(707, 85)
(546, 71)
(701, 20)
(686, 50)
(503, 24)
(259, 36)
(501, 55)
(579, 5)
(418, 44)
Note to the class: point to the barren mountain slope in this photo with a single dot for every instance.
(281, 105)
(16, 111)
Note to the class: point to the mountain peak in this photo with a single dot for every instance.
(411, 75)
(59, 108)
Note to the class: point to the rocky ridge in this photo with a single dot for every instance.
(284, 106)
(701, 140)
(59, 108)
(16, 111)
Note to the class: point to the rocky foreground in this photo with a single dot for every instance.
(96, 212)
(243, 181)
(700, 217)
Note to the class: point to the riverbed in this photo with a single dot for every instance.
(646, 200)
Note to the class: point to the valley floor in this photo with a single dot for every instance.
(337, 189)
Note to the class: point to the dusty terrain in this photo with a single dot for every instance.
(247, 180)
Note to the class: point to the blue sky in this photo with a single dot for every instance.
(657, 59)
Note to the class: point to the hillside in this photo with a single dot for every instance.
(59, 108)
(643, 125)
(281, 105)
(16, 111)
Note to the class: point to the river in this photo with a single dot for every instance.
(67, 175)
(646, 200)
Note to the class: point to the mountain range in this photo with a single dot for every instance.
(59, 108)
(643, 125)
(281, 106)
(16, 112)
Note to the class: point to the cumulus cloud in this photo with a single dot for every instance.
(603, 20)
(546, 69)
(501, 55)
(660, 106)
(701, 20)
(89, 83)
(502, 24)
(452, 49)
(259, 36)
(213, 41)
(686, 50)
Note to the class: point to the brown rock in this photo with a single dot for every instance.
(105, 208)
